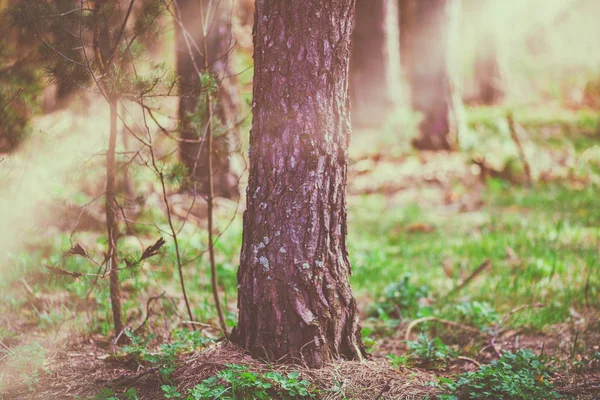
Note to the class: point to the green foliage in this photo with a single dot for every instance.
(20, 85)
(429, 352)
(166, 358)
(145, 26)
(26, 362)
(64, 32)
(520, 375)
(108, 394)
(475, 313)
(367, 340)
(176, 175)
(170, 392)
(425, 352)
(237, 382)
(398, 361)
(401, 300)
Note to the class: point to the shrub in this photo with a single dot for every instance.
(238, 383)
(400, 300)
(520, 375)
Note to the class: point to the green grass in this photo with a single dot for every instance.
(542, 243)
(552, 229)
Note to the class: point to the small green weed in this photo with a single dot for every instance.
(424, 352)
(237, 382)
(26, 362)
(166, 358)
(108, 394)
(401, 300)
(475, 313)
(367, 340)
(429, 352)
(520, 375)
(398, 361)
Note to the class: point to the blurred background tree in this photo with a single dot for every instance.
(20, 83)
(374, 66)
(221, 80)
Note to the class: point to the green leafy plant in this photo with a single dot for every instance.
(108, 394)
(166, 358)
(290, 386)
(400, 300)
(424, 352)
(26, 362)
(398, 361)
(238, 382)
(520, 375)
(367, 340)
(429, 352)
(479, 314)
(170, 392)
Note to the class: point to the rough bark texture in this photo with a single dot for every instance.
(370, 78)
(194, 150)
(430, 73)
(295, 302)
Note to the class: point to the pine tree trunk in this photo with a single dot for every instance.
(194, 152)
(294, 298)
(430, 73)
(371, 81)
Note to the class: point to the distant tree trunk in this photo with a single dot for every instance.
(488, 71)
(406, 16)
(371, 82)
(194, 150)
(488, 74)
(430, 73)
(294, 297)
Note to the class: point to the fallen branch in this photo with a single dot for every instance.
(497, 328)
(517, 309)
(441, 321)
(484, 265)
(515, 138)
(462, 358)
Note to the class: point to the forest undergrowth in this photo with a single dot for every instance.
(487, 281)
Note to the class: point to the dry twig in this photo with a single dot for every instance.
(515, 137)
(441, 321)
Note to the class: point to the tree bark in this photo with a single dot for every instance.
(194, 149)
(430, 73)
(371, 80)
(294, 298)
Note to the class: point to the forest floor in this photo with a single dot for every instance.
(457, 262)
